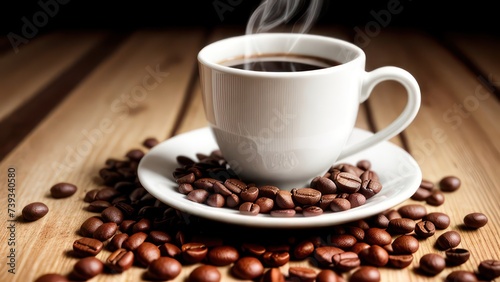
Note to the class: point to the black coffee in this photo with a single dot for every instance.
(281, 63)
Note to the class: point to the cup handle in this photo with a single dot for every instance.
(403, 120)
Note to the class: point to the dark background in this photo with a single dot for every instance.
(435, 16)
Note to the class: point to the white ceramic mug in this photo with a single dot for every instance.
(285, 128)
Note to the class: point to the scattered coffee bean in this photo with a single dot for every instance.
(439, 219)
(400, 261)
(193, 252)
(120, 260)
(413, 211)
(134, 241)
(347, 182)
(401, 226)
(222, 255)
(89, 226)
(87, 268)
(425, 229)
(62, 190)
(147, 253)
(301, 273)
(377, 236)
(405, 244)
(489, 269)
(427, 185)
(112, 214)
(343, 241)
(461, 276)
(105, 231)
(324, 254)
(34, 211)
(475, 220)
(303, 250)
(449, 239)
(449, 184)
(170, 250)
(365, 274)
(457, 256)
(374, 255)
(150, 142)
(164, 268)
(345, 261)
(87, 246)
(435, 199)
(117, 241)
(328, 275)
(432, 264)
(421, 194)
(340, 204)
(206, 273)
(247, 268)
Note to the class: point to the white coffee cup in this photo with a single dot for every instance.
(285, 128)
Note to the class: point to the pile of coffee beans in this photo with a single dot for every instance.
(210, 180)
(137, 230)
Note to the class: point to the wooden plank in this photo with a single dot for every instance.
(455, 133)
(134, 94)
(481, 51)
(24, 73)
(57, 82)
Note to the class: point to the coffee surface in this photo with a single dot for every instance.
(281, 63)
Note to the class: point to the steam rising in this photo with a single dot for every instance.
(272, 14)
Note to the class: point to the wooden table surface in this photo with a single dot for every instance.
(71, 100)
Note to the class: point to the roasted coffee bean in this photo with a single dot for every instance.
(87, 246)
(361, 223)
(198, 195)
(276, 258)
(120, 260)
(364, 164)
(347, 182)
(324, 185)
(401, 226)
(343, 241)
(432, 264)
(134, 241)
(357, 232)
(405, 244)
(425, 229)
(249, 208)
(377, 236)
(205, 183)
(400, 261)
(489, 269)
(52, 277)
(413, 211)
(159, 237)
(303, 250)
(150, 142)
(105, 231)
(436, 198)
(147, 253)
(328, 275)
(461, 276)
(392, 214)
(380, 221)
(369, 175)
(421, 194)
(369, 188)
(283, 213)
(62, 190)
(273, 275)
(112, 214)
(427, 185)
(312, 211)
(358, 247)
(324, 254)
(98, 206)
(346, 167)
(346, 261)
(90, 195)
(87, 268)
(117, 241)
(365, 274)
(235, 185)
(89, 226)
(448, 240)
(250, 194)
(475, 220)
(107, 194)
(457, 256)
(449, 184)
(265, 204)
(126, 225)
(205, 273)
(135, 155)
(303, 274)
(326, 200)
(247, 268)
(223, 255)
(356, 199)
(110, 177)
(253, 249)
(306, 196)
(164, 268)
(268, 191)
(374, 255)
(193, 252)
(232, 200)
(185, 188)
(170, 250)
(34, 211)
(216, 200)
(340, 204)
(440, 220)
(188, 178)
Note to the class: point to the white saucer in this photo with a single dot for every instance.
(399, 174)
